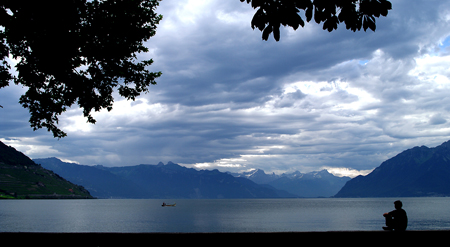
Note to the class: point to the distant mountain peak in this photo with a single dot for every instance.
(257, 172)
(446, 144)
(323, 173)
(295, 174)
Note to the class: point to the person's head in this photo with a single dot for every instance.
(398, 204)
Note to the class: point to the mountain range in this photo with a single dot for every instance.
(175, 181)
(159, 181)
(312, 184)
(419, 171)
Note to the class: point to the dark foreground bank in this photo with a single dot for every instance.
(352, 238)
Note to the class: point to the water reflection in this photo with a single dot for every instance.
(272, 215)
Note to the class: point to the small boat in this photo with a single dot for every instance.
(168, 205)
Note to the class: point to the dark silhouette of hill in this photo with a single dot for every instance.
(20, 177)
(159, 181)
(419, 171)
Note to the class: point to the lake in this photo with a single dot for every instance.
(220, 215)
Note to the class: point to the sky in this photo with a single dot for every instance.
(343, 101)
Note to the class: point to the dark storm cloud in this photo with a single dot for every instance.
(228, 100)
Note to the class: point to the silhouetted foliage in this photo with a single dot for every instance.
(271, 14)
(75, 51)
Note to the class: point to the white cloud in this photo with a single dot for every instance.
(31, 147)
(346, 172)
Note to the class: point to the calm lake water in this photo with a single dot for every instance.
(221, 215)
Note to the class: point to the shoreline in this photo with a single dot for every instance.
(131, 239)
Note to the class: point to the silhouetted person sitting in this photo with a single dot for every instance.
(397, 219)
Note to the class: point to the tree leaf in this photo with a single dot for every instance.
(276, 32)
(266, 32)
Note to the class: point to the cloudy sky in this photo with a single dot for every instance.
(227, 99)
